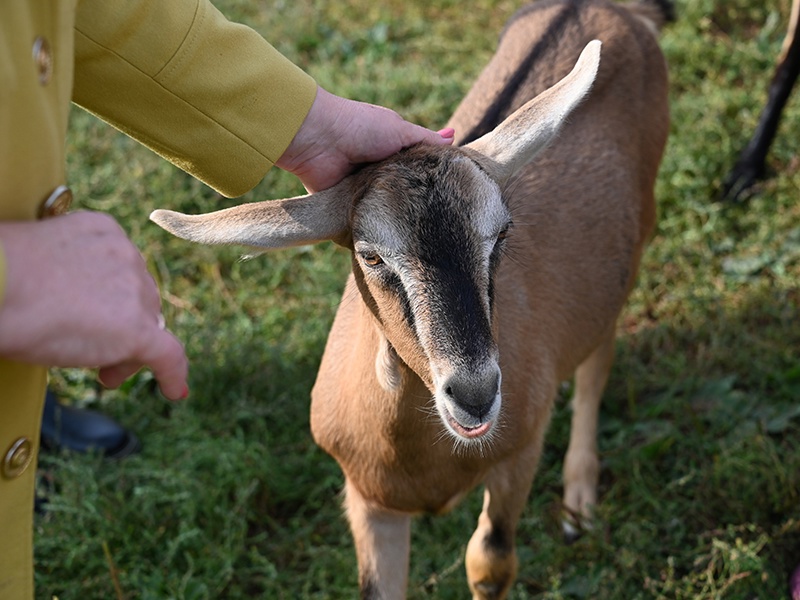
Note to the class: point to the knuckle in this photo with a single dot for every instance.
(100, 222)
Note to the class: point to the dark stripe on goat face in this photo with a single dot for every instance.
(405, 303)
(459, 325)
(392, 284)
(434, 213)
(494, 263)
(451, 268)
(455, 290)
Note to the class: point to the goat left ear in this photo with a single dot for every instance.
(515, 142)
(270, 224)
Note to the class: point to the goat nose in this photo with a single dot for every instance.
(474, 393)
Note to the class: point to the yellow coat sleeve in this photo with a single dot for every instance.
(210, 96)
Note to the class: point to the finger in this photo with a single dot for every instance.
(447, 134)
(414, 134)
(114, 375)
(442, 137)
(167, 359)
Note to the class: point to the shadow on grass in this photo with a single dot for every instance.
(700, 494)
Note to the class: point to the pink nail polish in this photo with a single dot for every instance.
(185, 393)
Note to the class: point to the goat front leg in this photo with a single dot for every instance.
(581, 464)
(491, 559)
(382, 539)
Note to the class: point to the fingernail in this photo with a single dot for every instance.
(185, 393)
(447, 132)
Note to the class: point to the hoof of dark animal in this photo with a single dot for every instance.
(740, 183)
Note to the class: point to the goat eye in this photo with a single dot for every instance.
(373, 260)
(502, 235)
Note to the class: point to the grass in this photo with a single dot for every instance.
(700, 430)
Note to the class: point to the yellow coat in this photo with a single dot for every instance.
(210, 96)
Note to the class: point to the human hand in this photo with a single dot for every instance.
(78, 294)
(339, 134)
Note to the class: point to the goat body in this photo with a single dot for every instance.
(482, 277)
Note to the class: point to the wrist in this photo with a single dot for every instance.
(11, 280)
(3, 273)
(312, 134)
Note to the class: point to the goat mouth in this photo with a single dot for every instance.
(468, 432)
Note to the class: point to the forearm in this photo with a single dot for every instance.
(211, 96)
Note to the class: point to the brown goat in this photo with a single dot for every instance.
(481, 279)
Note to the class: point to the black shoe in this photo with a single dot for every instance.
(82, 430)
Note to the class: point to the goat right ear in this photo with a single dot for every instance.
(518, 139)
(270, 224)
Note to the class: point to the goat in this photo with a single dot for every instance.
(481, 278)
(751, 164)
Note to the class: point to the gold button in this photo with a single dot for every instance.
(17, 459)
(43, 59)
(57, 203)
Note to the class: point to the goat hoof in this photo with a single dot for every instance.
(571, 533)
(574, 525)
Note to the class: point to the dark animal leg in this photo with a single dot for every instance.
(751, 164)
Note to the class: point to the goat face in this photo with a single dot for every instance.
(427, 238)
(426, 228)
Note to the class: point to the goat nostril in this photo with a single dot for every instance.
(473, 395)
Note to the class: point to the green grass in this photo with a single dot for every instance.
(700, 430)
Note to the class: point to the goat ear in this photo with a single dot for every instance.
(514, 143)
(271, 224)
